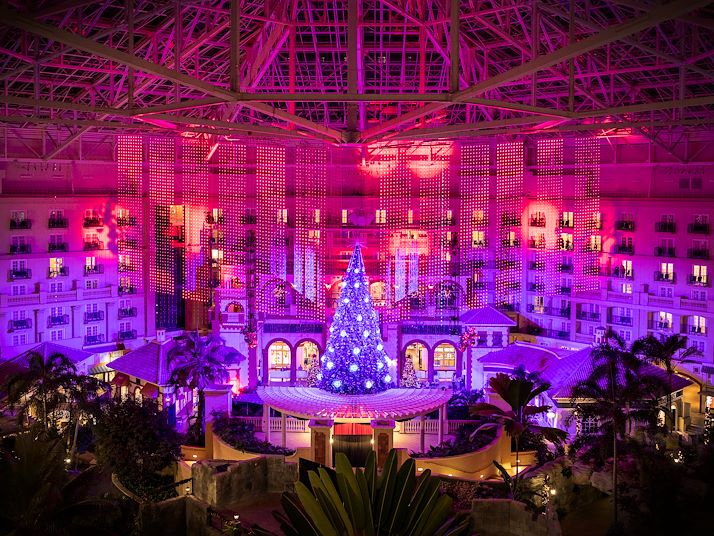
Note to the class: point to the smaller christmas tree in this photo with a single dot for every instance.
(709, 427)
(409, 379)
(313, 372)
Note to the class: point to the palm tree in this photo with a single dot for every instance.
(42, 388)
(666, 352)
(84, 393)
(519, 393)
(199, 362)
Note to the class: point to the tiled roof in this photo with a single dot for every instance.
(532, 358)
(46, 349)
(150, 362)
(486, 316)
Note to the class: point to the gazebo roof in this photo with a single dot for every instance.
(396, 404)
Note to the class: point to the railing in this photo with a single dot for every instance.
(537, 222)
(565, 290)
(622, 273)
(621, 320)
(92, 222)
(660, 300)
(60, 320)
(556, 334)
(565, 246)
(698, 253)
(90, 246)
(565, 224)
(63, 271)
(624, 249)
(66, 295)
(413, 426)
(124, 267)
(105, 292)
(698, 280)
(13, 275)
(589, 315)
(536, 244)
(127, 243)
(94, 339)
(660, 325)
(94, 316)
(664, 252)
(22, 323)
(665, 227)
(533, 265)
(698, 228)
(127, 335)
(57, 246)
(511, 243)
(127, 290)
(127, 221)
(20, 248)
(20, 224)
(211, 220)
(667, 277)
(624, 225)
(57, 223)
(698, 330)
(510, 220)
(565, 268)
(92, 270)
(127, 312)
(536, 287)
(291, 424)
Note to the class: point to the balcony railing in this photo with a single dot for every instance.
(537, 222)
(94, 316)
(93, 245)
(127, 290)
(536, 244)
(658, 324)
(698, 280)
(22, 323)
(20, 248)
(57, 223)
(94, 270)
(211, 220)
(698, 253)
(565, 245)
(510, 220)
(478, 244)
(620, 272)
(589, 315)
(665, 277)
(127, 312)
(565, 290)
(534, 265)
(665, 227)
(555, 333)
(59, 320)
(532, 308)
(58, 272)
(565, 224)
(621, 320)
(127, 243)
(510, 307)
(126, 221)
(20, 224)
(92, 221)
(511, 243)
(536, 287)
(14, 275)
(698, 228)
(660, 251)
(57, 246)
(124, 267)
(94, 339)
(624, 225)
(127, 335)
(627, 249)
(697, 330)
(565, 268)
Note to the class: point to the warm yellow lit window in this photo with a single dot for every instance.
(445, 357)
(381, 216)
(478, 239)
(344, 215)
(410, 217)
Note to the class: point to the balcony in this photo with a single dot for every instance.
(93, 221)
(59, 320)
(478, 244)
(510, 220)
(93, 245)
(698, 280)
(697, 330)
(536, 244)
(532, 308)
(556, 334)
(665, 227)
(625, 249)
(127, 243)
(620, 272)
(565, 224)
(565, 268)
(127, 335)
(20, 224)
(14, 275)
(126, 221)
(698, 228)
(22, 323)
(589, 315)
(664, 277)
(124, 267)
(536, 287)
(211, 220)
(660, 251)
(698, 253)
(93, 339)
(565, 290)
(660, 325)
(127, 312)
(20, 248)
(94, 270)
(94, 316)
(624, 225)
(621, 320)
(127, 290)
(536, 222)
(533, 265)
(217, 241)
(511, 243)
(565, 245)
(57, 223)
(58, 246)
(509, 307)
(58, 272)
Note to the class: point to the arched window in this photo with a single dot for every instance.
(445, 357)
(419, 356)
(279, 362)
(137, 394)
(378, 292)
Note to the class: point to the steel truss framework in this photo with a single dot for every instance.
(350, 71)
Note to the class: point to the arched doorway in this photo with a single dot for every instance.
(279, 360)
(419, 354)
(306, 353)
(445, 361)
(235, 313)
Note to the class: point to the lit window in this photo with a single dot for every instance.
(478, 239)
(698, 325)
(626, 288)
(381, 216)
(410, 217)
(445, 357)
(344, 215)
(279, 356)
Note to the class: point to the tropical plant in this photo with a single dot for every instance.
(199, 362)
(519, 393)
(84, 395)
(41, 389)
(135, 441)
(38, 498)
(666, 352)
(361, 503)
(240, 435)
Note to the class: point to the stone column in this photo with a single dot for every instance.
(266, 421)
(442, 417)
(504, 337)
(382, 440)
(321, 441)
(489, 338)
(283, 431)
(421, 433)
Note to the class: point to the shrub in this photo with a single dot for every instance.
(463, 443)
(240, 435)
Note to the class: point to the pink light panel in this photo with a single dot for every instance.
(129, 194)
(271, 222)
(195, 198)
(549, 159)
(509, 187)
(310, 206)
(473, 221)
(587, 212)
(161, 161)
(231, 204)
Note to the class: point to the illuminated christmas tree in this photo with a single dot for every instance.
(409, 379)
(709, 427)
(313, 372)
(355, 361)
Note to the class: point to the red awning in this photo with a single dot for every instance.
(120, 379)
(352, 428)
(149, 390)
